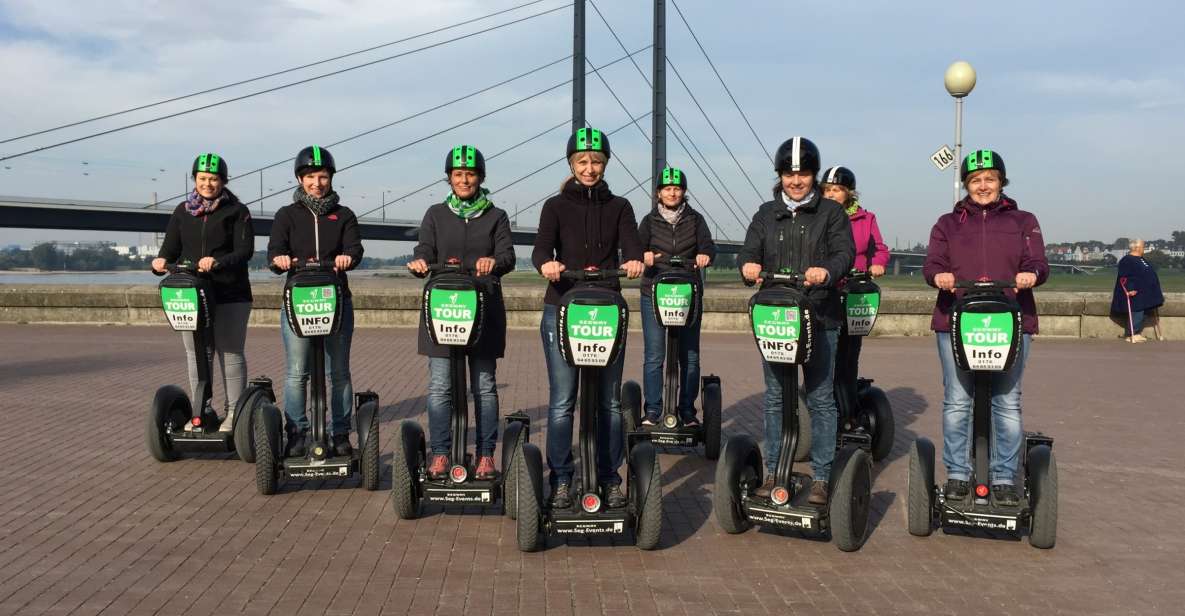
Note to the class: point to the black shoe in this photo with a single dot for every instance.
(1005, 495)
(956, 489)
(614, 497)
(561, 496)
(767, 488)
(690, 422)
(297, 444)
(818, 495)
(341, 445)
(650, 420)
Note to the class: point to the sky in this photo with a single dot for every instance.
(1084, 100)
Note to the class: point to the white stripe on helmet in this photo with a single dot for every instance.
(830, 176)
(796, 154)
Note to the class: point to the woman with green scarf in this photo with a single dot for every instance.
(466, 227)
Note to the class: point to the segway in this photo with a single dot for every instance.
(312, 306)
(986, 338)
(678, 303)
(784, 327)
(591, 329)
(177, 424)
(865, 415)
(454, 310)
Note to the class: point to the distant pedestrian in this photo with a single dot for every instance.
(1137, 292)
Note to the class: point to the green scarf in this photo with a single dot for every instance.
(851, 209)
(472, 208)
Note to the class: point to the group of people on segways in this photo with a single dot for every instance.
(814, 251)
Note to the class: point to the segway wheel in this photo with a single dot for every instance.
(631, 405)
(920, 487)
(880, 411)
(739, 468)
(646, 487)
(803, 453)
(267, 449)
(711, 404)
(1042, 479)
(369, 461)
(529, 489)
(513, 438)
(850, 501)
(170, 406)
(406, 462)
(244, 434)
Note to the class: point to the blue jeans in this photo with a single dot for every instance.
(958, 398)
(484, 389)
(818, 377)
(655, 336)
(563, 380)
(1137, 324)
(299, 356)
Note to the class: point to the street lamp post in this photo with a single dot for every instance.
(959, 80)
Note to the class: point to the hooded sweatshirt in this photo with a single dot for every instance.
(869, 245)
(995, 242)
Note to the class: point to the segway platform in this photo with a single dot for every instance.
(796, 514)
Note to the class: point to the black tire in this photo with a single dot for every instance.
(920, 488)
(803, 453)
(267, 449)
(510, 454)
(405, 497)
(1042, 479)
(740, 464)
(369, 462)
(850, 501)
(649, 528)
(170, 407)
(880, 411)
(530, 509)
(711, 404)
(244, 433)
(631, 406)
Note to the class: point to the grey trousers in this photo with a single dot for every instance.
(230, 334)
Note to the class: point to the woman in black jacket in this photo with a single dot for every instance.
(466, 227)
(212, 229)
(583, 226)
(317, 228)
(672, 229)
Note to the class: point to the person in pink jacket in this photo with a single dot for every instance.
(872, 255)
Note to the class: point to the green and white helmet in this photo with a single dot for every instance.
(588, 140)
(210, 162)
(465, 157)
(672, 177)
(979, 160)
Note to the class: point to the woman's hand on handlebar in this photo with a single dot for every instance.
(750, 272)
(484, 266)
(418, 267)
(633, 269)
(342, 263)
(815, 276)
(206, 264)
(648, 257)
(702, 261)
(1025, 280)
(552, 270)
(158, 265)
(282, 262)
(877, 271)
(945, 281)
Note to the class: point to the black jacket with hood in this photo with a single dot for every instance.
(224, 234)
(299, 233)
(688, 237)
(816, 234)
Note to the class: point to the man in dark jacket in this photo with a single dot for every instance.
(466, 227)
(801, 231)
(1137, 292)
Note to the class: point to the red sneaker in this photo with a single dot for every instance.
(485, 468)
(437, 466)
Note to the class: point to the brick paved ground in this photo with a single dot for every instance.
(90, 524)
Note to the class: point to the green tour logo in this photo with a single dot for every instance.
(674, 302)
(862, 309)
(592, 331)
(453, 313)
(181, 307)
(986, 338)
(777, 329)
(314, 308)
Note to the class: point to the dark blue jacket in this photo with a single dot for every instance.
(1137, 275)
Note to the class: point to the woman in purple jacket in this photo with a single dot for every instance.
(985, 238)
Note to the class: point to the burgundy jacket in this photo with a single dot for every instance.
(996, 242)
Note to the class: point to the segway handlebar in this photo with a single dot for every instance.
(588, 275)
(675, 262)
(999, 285)
(183, 267)
(307, 266)
(792, 279)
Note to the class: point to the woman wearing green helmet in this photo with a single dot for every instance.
(583, 226)
(212, 229)
(671, 229)
(468, 227)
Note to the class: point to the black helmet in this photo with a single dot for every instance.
(978, 160)
(797, 154)
(312, 158)
(672, 177)
(210, 163)
(465, 157)
(841, 176)
(588, 140)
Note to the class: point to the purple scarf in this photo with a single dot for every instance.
(198, 205)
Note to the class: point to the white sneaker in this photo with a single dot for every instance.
(228, 424)
(1139, 338)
